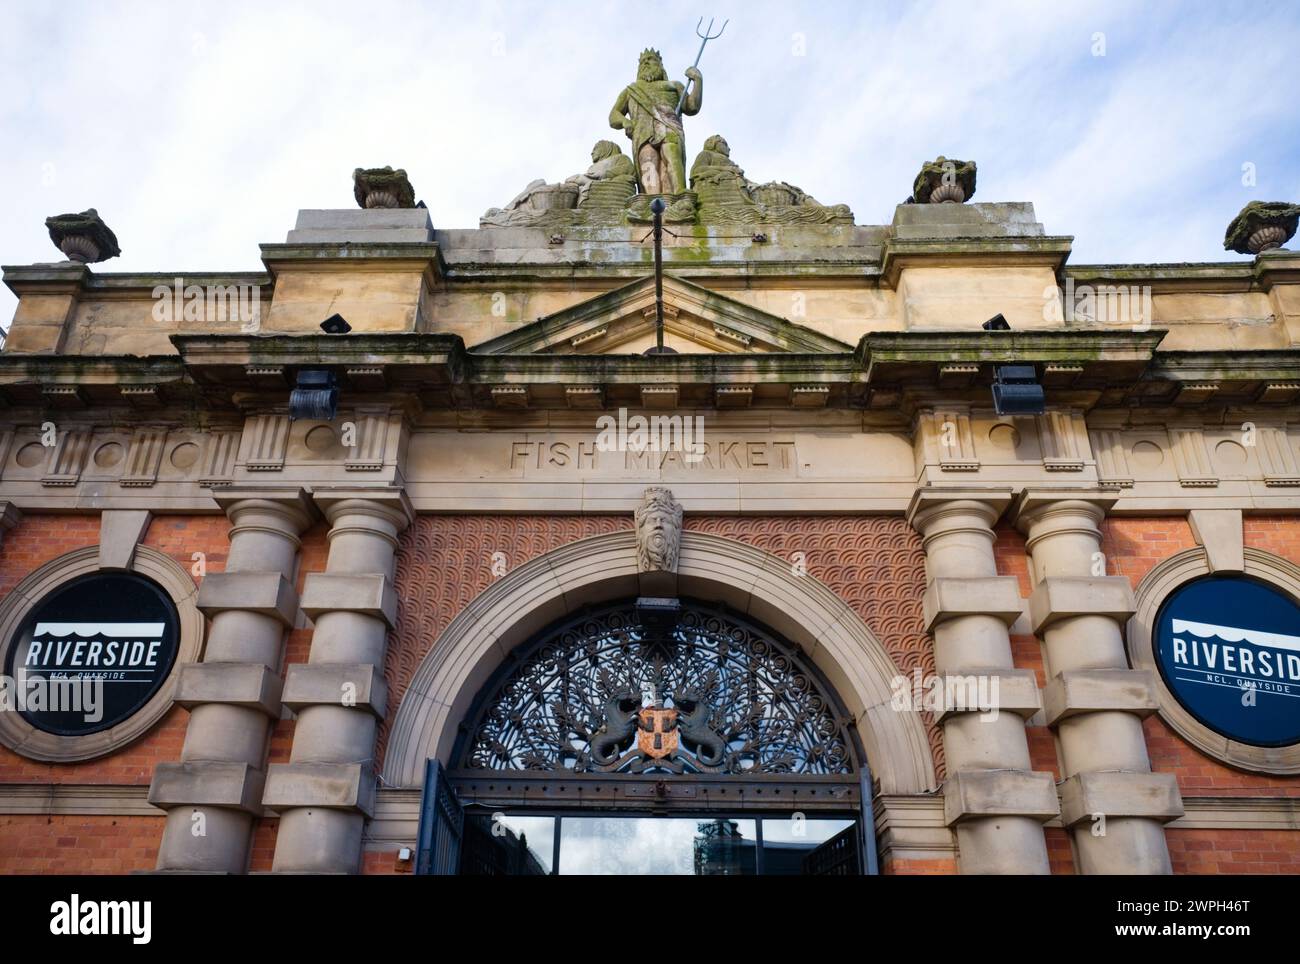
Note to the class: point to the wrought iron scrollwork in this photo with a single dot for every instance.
(715, 694)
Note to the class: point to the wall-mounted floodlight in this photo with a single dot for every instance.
(996, 323)
(335, 325)
(315, 395)
(1016, 390)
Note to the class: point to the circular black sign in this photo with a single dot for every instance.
(1228, 648)
(92, 653)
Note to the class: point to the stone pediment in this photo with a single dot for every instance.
(696, 320)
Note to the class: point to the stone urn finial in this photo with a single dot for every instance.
(83, 237)
(1262, 225)
(944, 181)
(382, 187)
(658, 531)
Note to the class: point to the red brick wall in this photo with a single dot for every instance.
(1234, 851)
(32, 844)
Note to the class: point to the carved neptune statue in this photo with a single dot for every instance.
(617, 189)
(646, 111)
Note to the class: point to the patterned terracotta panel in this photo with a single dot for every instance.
(874, 563)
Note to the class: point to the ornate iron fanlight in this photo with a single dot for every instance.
(604, 694)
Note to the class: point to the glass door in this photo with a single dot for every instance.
(617, 844)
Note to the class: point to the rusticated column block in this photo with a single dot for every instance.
(263, 593)
(335, 786)
(357, 685)
(1115, 793)
(369, 594)
(250, 685)
(950, 597)
(207, 783)
(999, 793)
(977, 690)
(1065, 598)
(1082, 691)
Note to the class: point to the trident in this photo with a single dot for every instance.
(704, 39)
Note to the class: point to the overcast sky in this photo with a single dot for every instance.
(198, 129)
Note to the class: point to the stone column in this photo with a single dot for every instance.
(993, 799)
(1112, 803)
(327, 790)
(213, 794)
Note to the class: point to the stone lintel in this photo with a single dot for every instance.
(969, 794)
(366, 593)
(1063, 597)
(948, 598)
(265, 593)
(1099, 690)
(250, 685)
(971, 691)
(120, 531)
(357, 685)
(337, 786)
(1219, 531)
(207, 783)
(1120, 793)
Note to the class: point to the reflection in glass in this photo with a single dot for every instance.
(496, 844)
(656, 845)
(799, 846)
(500, 844)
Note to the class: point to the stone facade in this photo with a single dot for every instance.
(853, 490)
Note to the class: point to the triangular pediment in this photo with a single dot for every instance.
(696, 320)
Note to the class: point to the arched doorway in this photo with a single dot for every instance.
(452, 684)
(657, 736)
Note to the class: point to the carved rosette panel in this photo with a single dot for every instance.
(874, 563)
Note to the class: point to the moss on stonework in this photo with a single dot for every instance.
(87, 224)
(1260, 214)
(395, 182)
(943, 170)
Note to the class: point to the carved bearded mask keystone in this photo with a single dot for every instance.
(658, 531)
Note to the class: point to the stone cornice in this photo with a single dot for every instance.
(912, 365)
(1088, 369)
(1214, 277)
